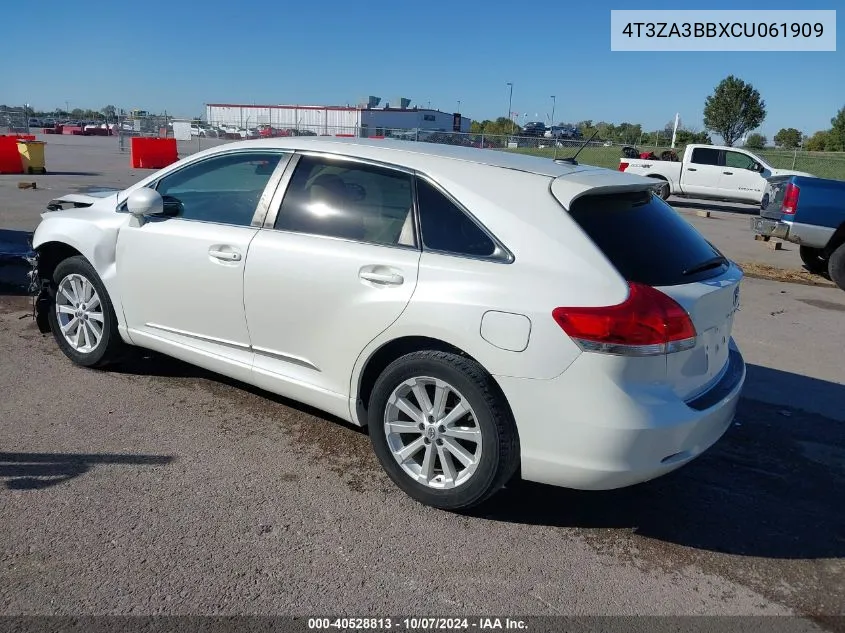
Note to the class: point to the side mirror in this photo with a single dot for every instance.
(144, 201)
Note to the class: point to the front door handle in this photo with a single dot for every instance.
(728, 173)
(226, 256)
(691, 169)
(381, 275)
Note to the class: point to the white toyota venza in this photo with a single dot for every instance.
(486, 314)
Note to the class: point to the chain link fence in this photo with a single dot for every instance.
(14, 120)
(600, 153)
(198, 134)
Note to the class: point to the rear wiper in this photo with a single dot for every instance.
(713, 262)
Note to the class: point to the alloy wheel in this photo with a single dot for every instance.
(79, 312)
(432, 432)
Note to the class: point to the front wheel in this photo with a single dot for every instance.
(442, 430)
(813, 259)
(81, 317)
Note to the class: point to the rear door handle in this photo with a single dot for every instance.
(728, 173)
(691, 169)
(382, 278)
(226, 256)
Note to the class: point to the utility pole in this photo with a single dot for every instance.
(553, 110)
(510, 105)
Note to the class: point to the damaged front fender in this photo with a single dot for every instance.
(19, 273)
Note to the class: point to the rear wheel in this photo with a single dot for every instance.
(813, 259)
(442, 430)
(836, 266)
(82, 317)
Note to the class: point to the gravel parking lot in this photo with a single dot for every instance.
(158, 488)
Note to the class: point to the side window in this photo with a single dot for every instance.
(223, 189)
(739, 160)
(705, 156)
(349, 200)
(446, 228)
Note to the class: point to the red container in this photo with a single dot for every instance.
(152, 153)
(10, 157)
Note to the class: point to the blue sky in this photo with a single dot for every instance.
(159, 55)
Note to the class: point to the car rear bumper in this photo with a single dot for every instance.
(797, 232)
(770, 228)
(586, 430)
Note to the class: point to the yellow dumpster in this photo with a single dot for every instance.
(32, 156)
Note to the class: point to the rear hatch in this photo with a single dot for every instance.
(773, 197)
(649, 243)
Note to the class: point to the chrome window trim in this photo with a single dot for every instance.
(501, 254)
(266, 198)
(284, 184)
(279, 193)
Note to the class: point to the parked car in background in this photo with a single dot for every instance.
(563, 132)
(708, 171)
(36, 122)
(533, 128)
(809, 212)
(484, 313)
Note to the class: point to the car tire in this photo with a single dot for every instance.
(813, 259)
(74, 288)
(664, 192)
(836, 266)
(487, 419)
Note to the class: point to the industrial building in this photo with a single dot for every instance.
(365, 119)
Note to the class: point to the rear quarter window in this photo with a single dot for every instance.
(645, 239)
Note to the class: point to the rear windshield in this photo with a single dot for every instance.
(647, 240)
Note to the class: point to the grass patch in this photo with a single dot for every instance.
(757, 270)
(821, 164)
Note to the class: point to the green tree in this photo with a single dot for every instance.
(586, 128)
(109, 111)
(756, 141)
(734, 108)
(77, 113)
(817, 142)
(690, 137)
(629, 132)
(477, 127)
(836, 141)
(788, 138)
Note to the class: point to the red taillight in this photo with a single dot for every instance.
(647, 323)
(623, 166)
(790, 199)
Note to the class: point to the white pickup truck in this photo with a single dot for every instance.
(709, 171)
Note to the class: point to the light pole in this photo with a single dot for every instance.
(459, 105)
(553, 110)
(510, 105)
